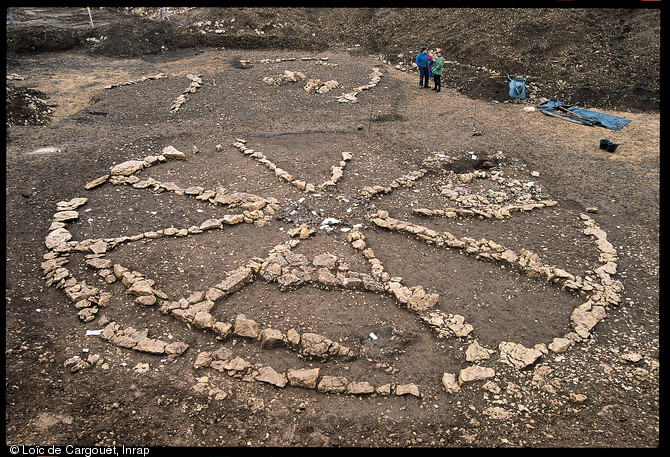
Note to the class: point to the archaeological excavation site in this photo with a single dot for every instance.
(253, 227)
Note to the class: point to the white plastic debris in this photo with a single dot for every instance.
(373, 336)
(93, 332)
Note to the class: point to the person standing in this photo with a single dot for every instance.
(437, 70)
(422, 61)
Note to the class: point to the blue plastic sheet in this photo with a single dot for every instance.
(557, 108)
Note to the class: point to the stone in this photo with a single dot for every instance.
(293, 337)
(288, 281)
(306, 377)
(271, 337)
(214, 294)
(203, 320)
(127, 168)
(99, 247)
(235, 281)
(76, 364)
(151, 346)
(96, 182)
(99, 263)
(314, 345)
(140, 288)
(456, 323)
(210, 224)
(57, 238)
(269, 375)
(475, 373)
(175, 348)
(560, 345)
(402, 294)
(222, 353)
(587, 316)
(65, 216)
(326, 278)
(146, 300)
(421, 301)
(333, 384)
(496, 412)
(631, 357)
(325, 260)
(518, 355)
(222, 329)
(237, 364)
(87, 314)
(475, 352)
(245, 327)
(358, 244)
(577, 398)
(170, 152)
(384, 389)
(360, 388)
(232, 219)
(407, 389)
(491, 387)
(203, 360)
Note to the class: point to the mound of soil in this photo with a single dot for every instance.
(605, 58)
(27, 106)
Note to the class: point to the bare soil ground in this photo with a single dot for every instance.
(69, 130)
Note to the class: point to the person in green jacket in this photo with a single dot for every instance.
(437, 70)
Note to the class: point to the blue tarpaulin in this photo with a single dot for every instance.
(557, 108)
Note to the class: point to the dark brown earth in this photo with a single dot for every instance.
(64, 129)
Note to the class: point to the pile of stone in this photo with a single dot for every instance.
(525, 260)
(139, 340)
(326, 64)
(512, 195)
(224, 361)
(76, 363)
(407, 180)
(255, 209)
(309, 345)
(604, 291)
(320, 87)
(286, 77)
(196, 83)
(351, 97)
(337, 170)
(137, 81)
(291, 270)
(491, 206)
(87, 300)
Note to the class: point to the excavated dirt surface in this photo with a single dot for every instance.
(602, 392)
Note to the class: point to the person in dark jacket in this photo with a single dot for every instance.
(437, 70)
(422, 61)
